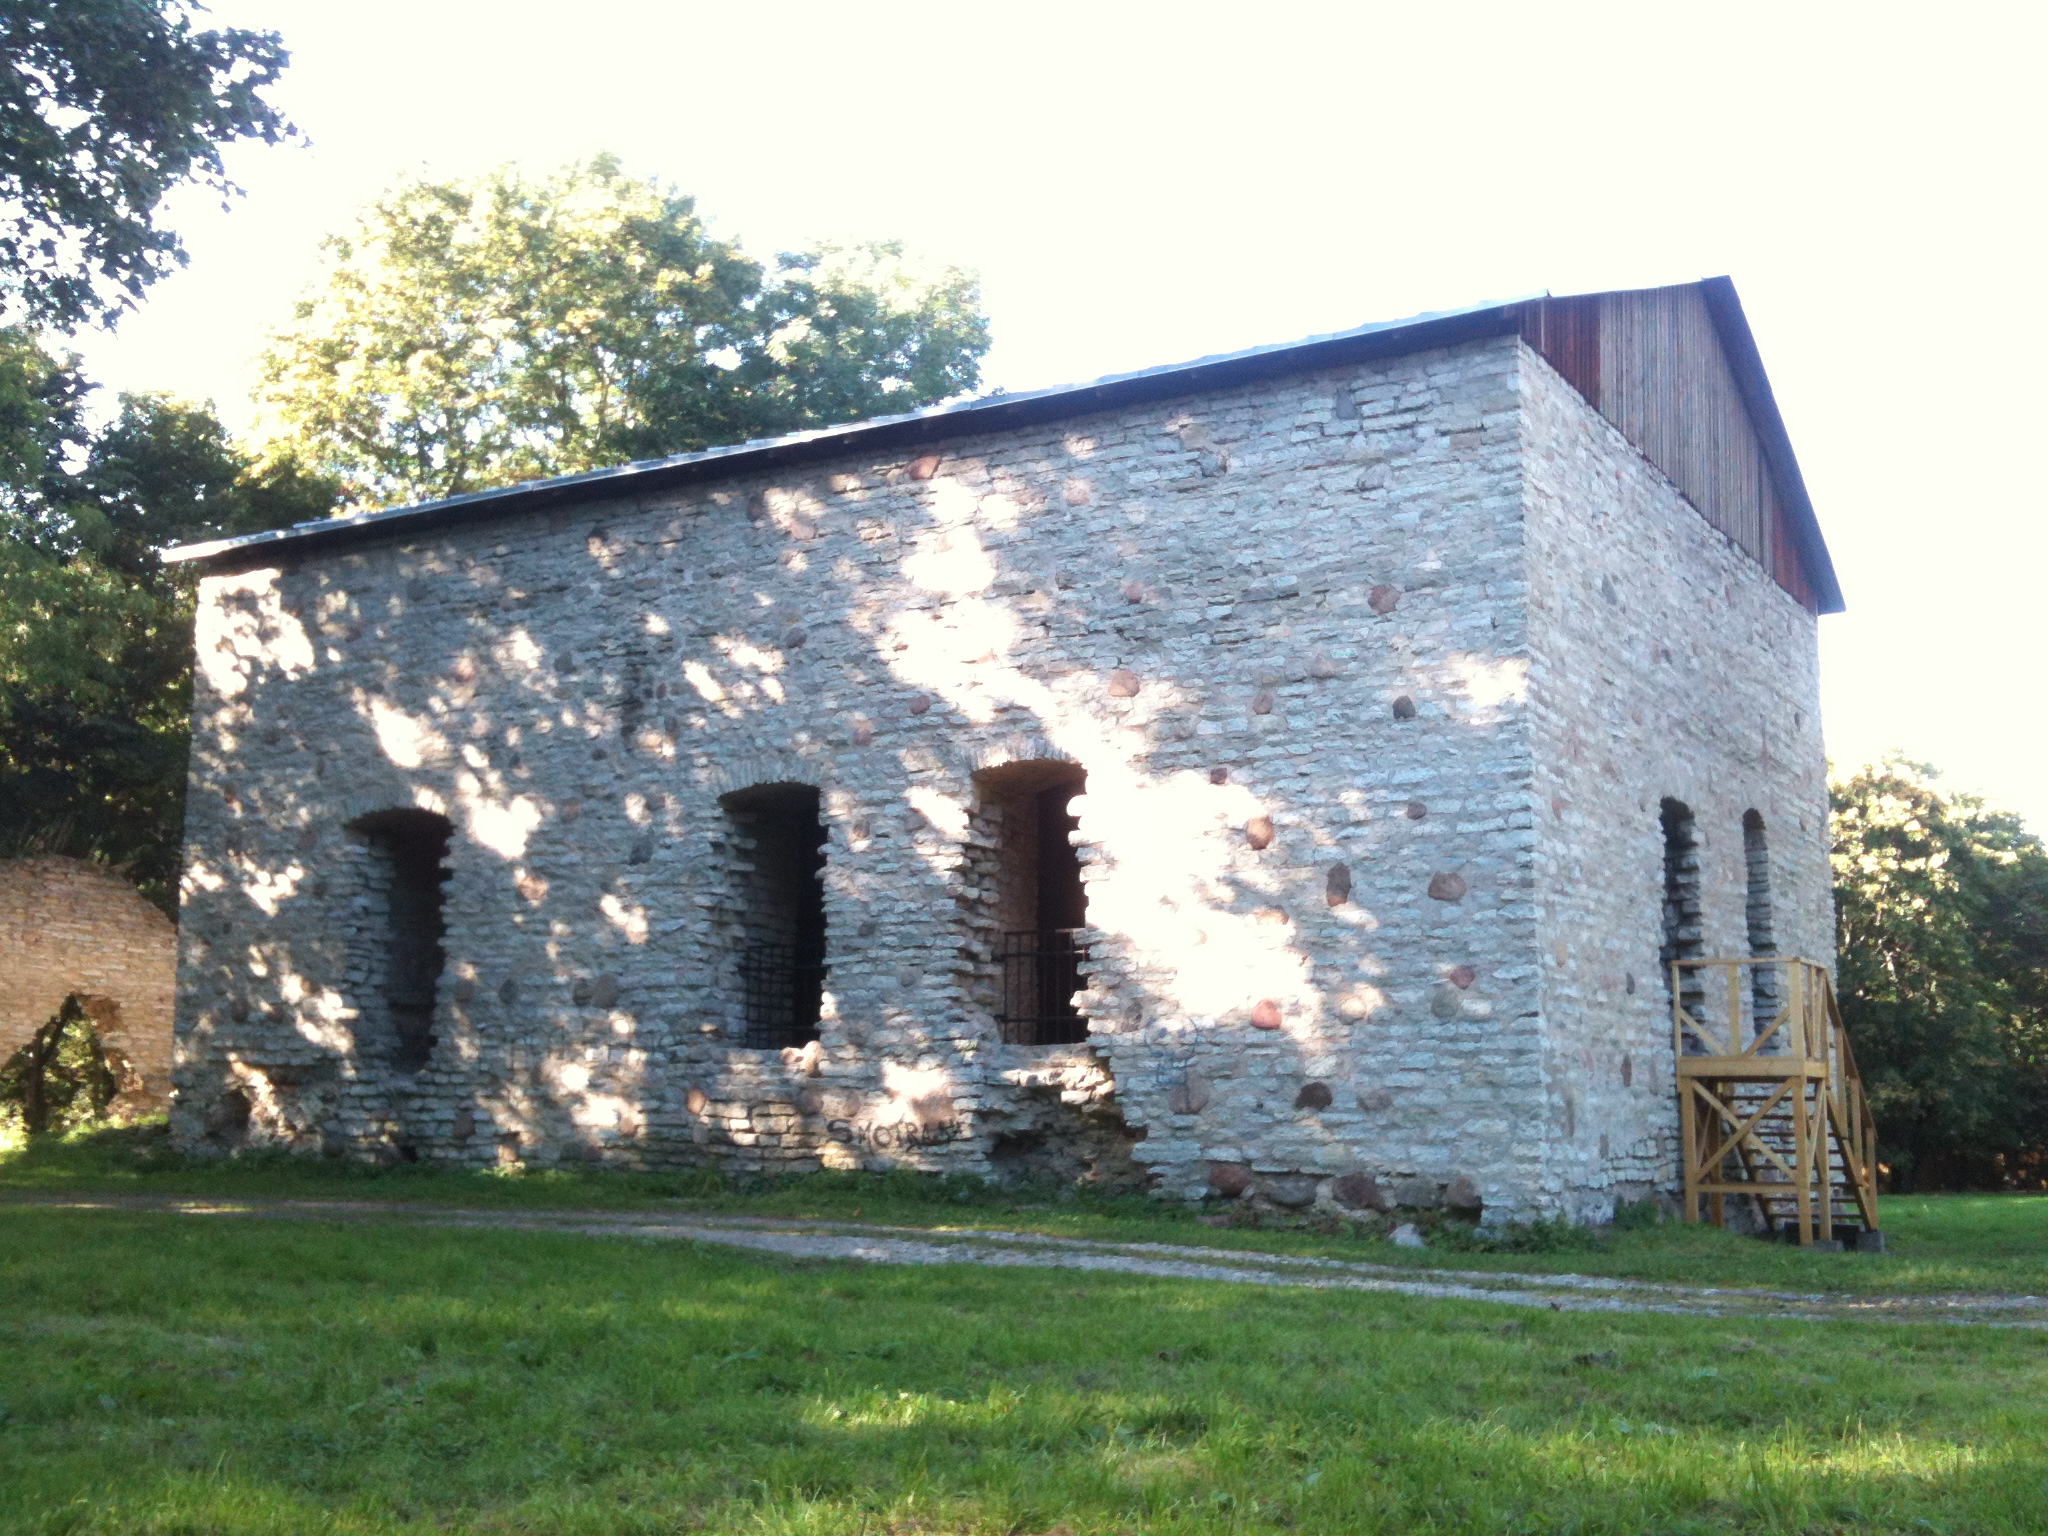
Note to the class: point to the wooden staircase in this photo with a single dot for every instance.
(1771, 1103)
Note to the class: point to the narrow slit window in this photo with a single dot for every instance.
(1041, 902)
(780, 881)
(1763, 940)
(1684, 929)
(406, 882)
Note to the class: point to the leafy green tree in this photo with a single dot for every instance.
(61, 1078)
(1943, 975)
(105, 106)
(95, 634)
(472, 334)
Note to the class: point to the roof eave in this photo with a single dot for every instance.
(1739, 343)
(915, 429)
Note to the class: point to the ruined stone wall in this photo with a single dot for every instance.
(69, 928)
(1665, 663)
(1280, 627)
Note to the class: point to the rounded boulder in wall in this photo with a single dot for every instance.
(1316, 1096)
(1358, 1192)
(1292, 1190)
(1229, 1180)
(1417, 1195)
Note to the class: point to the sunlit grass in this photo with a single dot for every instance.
(1987, 1242)
(162, 1374)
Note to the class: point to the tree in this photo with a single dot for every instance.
(105, 106)
(472, 334)
(61, 1078)
(1943, 975)
(95, 634)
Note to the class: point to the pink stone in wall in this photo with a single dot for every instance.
(1229, 1180)
(920, 703)
(863, 733)
(1404, 708)
(1078, 493)
(1262, 702)
(1383, 599)
(1463, 977)
(1219, 775)
(924, 467)
(1447, 887)
(1265, 1014)
(1259, 832)
(1123, 684)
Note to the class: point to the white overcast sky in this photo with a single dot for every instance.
(1141, 183)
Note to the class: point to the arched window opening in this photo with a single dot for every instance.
(66, 1076)
(1684, 929)
(1041, 905)
(1756, 854)
(779, 878)
(404, 897)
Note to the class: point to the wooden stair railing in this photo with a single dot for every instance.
(1770, 1102)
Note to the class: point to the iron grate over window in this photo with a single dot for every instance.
(1041, 974)
(782, 996)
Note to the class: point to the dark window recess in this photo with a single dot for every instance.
(407, 848)
(1763, 979)
(781, 884)
(1041, 974)
(1684, 930)
(1041, 965)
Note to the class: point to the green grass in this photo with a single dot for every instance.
(1939, 1242)
(170, 1375)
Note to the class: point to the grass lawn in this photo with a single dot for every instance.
(1938, 1242)
(162, 1374)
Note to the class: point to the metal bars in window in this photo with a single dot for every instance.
(782, 996)
(1041, 974)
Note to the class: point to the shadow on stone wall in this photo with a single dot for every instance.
(1235, 959)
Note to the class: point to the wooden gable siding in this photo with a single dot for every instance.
(1652, 363)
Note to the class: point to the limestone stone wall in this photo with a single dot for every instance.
(69, 928)
(1286, 630)
(1665, 664)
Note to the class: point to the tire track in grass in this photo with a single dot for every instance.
(874, 1244)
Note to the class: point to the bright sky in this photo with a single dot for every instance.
(1142, 183)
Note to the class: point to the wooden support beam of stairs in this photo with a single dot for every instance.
(1770, 1103)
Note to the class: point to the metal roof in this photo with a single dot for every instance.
(1000, 412)
(985, 413)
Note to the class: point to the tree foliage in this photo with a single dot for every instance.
(95, 634)
(1942, 936)
(61, 1079)
(472, 334)
(105, 106)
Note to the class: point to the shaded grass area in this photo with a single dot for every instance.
(165, 1376)
(1988, 1242)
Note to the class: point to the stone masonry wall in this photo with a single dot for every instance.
(1282, 629)
(73, 929)
(1665, 663)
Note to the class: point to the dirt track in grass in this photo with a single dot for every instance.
(874, 1244)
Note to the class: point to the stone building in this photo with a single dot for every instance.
(69, 928)
(1288, 770)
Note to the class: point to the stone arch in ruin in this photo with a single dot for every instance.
(69, 928)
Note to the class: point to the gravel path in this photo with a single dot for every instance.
(874, 1244)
